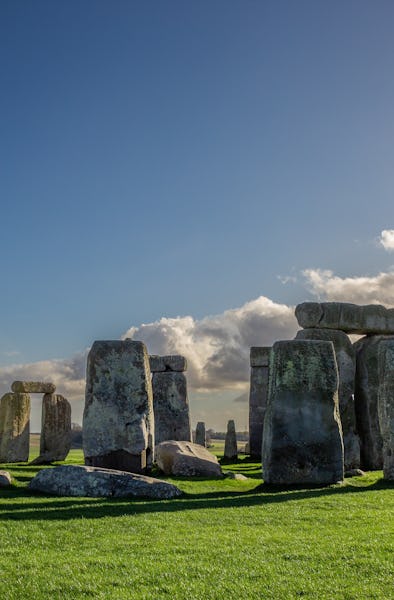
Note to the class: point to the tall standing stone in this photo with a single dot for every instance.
(386, 405)
(201, 436)
(259, 371)
(302, 439)
(171, 407)
(230, 443)
(14, 427)
(118, 422)
(366, 401)
(346, 362)
(55, 440)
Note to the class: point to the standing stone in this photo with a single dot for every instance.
(55, 441)
(366, 401)
(14, 427)
(118, 422)
(302, 439)
(172, 362)
(350, 318)
(346, 362)
(201, 437)
(259, 363)
(230, 443)
(171, 407)
(386, 405)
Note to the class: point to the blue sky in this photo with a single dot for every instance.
(165, 159)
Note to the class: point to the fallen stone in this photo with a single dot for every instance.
(386, 405)
(78, 480)
(186, 459)
(259, 374)
(33, 387)
(14, 427)
(230, 442)
(350, 318)
(5, 479)
(171, 407)
(302, 439)
(55, 440)
(118, 421)
(354, 473)
(201, 437)
(366, 401)
(236, 476)
(174, 362)
(346, 362)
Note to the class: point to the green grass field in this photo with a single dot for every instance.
(222, 539)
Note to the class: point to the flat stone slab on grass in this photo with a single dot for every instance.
(186, 459)
(78, 480)
(5, 479)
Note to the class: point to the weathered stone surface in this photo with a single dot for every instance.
(174, 362)
(55, 440)
(33, 387)
(236, 476)
(302, 439)
(14, 427)
(386, 405)
(5, 479)
(350, 318)
(259, 373)
(201, 436)
(171, 407)
(230, 442)
(77, 480)
(118, 422)
(346, 362)
(260, 356)
(366, 401)
(187, 459)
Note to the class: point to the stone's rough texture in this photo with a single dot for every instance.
(118, 422)
(350, 318)
(259, 360)
(14, 428)
(230, 442)
(346, 362)
(386, 405)
(302, 440)
(174, 362)
(366, 401)
(33, 387)
(187, 459)
(77, 480)
(201, 437)
(5, 479)
(55, 441)
(260, 356)
(171, 407)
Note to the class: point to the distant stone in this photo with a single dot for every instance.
(236, 476)
(201, 437)
(350, 318)
(386, 405)
(118, 421)
(171, 407)
(259, 374)
(346, 362)
(14, 427)
(55, 440)
(78, 480)
(33, 387)
(5, 479)
(230, 442)
(366, 401)
(174, 362)
(186, 459)
(302, 439)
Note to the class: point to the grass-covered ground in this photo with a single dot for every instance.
(222, 539)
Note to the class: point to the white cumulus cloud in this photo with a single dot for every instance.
(387, 239)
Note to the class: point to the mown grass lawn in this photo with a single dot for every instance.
(222, 539)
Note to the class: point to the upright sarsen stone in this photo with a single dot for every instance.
(118, 422)
(171, 407)
(259, 371)
(14, 427)
(386, 405)
(55, 440)
(346, 362)
(230, 442)
(201, 436)
(302, 438)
